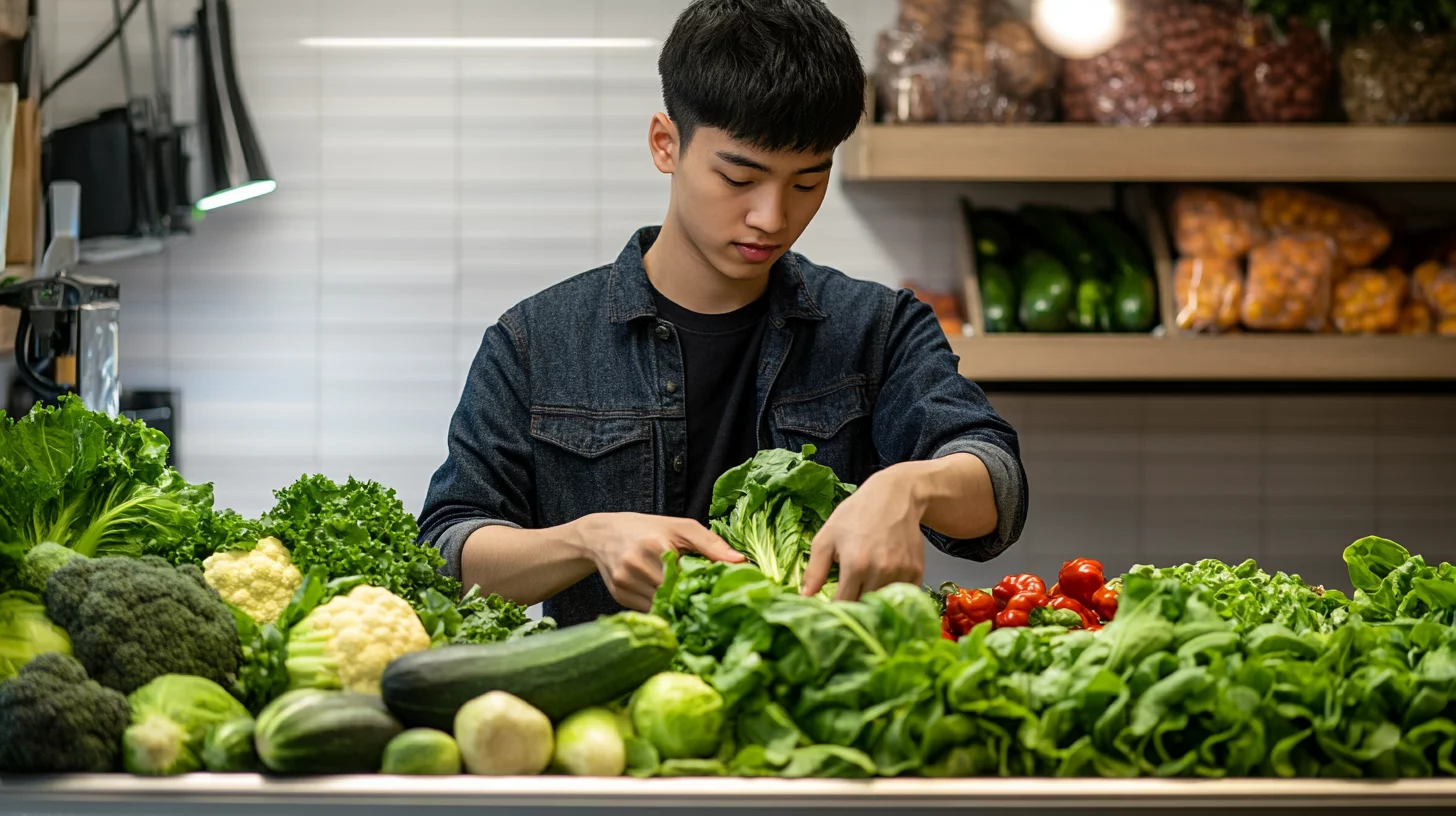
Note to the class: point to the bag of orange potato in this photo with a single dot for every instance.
(1289, 282)
(1208, 292)
(1359, 235)
(1369, 301)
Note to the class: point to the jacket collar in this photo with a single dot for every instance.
(630, 295)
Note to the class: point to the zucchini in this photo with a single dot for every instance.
(558, 672)
(312, 731)
(1048, 294)
(228, 748)
(998, 297)
(994, 236)
(1057, 230)
(1127, 255)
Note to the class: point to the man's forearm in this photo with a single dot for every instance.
(524, 566)
(955, 493)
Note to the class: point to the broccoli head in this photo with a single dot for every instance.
(42, 560)
(53, 719)
(134, 620)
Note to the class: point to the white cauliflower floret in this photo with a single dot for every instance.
(347, 642)
(260, 581)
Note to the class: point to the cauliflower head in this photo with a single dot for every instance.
(347, 642)
(260, 581)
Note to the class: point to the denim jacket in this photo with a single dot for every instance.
(573, 406)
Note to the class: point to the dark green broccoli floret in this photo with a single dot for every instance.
(134, 620)
(41, 561)
(55, 720)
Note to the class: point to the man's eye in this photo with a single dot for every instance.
(733, 183)
(806, 188)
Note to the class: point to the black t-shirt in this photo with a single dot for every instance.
(720, 362)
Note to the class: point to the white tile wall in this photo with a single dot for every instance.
(328, 327)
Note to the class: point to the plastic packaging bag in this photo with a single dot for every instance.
(1289, 283)
(948, 306)
(1395, 78)
(908, 77)
(1177, 61)
(1286, 69)
(1210, 223)
(1360, 236)
(1368, 301)
(1435, 285)
(1208, 294)
(997, 70)
(927, 19)
(1415, 318)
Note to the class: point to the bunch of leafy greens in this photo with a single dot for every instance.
(96, 485)
(357, 530)
(1194, 678)
(476, 619)
(1391, 584)
(770, 507)
(1247, 597)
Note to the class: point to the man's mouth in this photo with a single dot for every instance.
(756, 253)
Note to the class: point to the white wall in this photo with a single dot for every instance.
(328, 327)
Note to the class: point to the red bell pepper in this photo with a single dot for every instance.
(1013, 585)
(1012, 618)
(965, 608)
(1089, 618)
(1104, 602)
(1018, 608)
(1079, 579)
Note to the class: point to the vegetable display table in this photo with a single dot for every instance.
(217, 795)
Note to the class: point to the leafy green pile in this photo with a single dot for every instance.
(477, 619)
(96, 485)
(1391, 584)
(1207, 671)
(1248, 597)
(770, 507)
(356, 530)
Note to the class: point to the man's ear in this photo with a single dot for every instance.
(663, 143)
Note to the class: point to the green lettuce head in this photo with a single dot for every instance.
(170, 720)
(680, 714)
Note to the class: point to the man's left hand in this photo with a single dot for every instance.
(875, 537)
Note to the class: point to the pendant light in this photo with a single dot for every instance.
(235, 168)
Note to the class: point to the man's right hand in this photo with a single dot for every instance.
(627, 549)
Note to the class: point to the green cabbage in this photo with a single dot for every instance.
(680, 714)
(25, 632)
(170, 719)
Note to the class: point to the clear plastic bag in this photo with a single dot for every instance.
(1358, 233)
(1177, 61)
(1287, 70)
(929, 19)
(1435, 285)
(908, 78)
(1369, 301)
(1208, 292)
(1289, 282)
(1395, 78)
(997, 70)
(1415, 318)
(1210, 223)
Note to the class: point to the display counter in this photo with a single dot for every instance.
(215, 795)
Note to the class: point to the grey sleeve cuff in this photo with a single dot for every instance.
(1008, 490)
(451, 543)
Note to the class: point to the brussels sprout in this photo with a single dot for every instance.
(422, 752)
(681, 715)
(590, 743)
(500, 734)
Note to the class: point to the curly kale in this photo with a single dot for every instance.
(357, 529)
(133, 620)
(53, 719)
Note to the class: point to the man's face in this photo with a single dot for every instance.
(742, 207)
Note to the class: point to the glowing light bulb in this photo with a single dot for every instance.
(1079, 29)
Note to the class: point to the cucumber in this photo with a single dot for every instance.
(998, 297)
(1125, 252)
(1134, 303)
(1057, 230)
(422, 752)
(994, 236)
(1047, 295)
(558, 672)
(312, 731)
(228, 748)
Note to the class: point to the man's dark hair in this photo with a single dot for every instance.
(776, 74)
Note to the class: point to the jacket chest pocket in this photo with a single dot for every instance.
(592, 464)
(835, 422)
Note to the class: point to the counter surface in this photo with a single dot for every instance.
(217, 795)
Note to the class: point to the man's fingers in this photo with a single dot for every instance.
(706, 543)
(635, 600)
(851, 585)
(821, 560)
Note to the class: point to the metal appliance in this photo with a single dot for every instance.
(67, 337)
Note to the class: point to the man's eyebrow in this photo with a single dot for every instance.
(740, 160)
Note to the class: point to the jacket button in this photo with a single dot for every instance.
(663, 332)
(671, 387)
(677, 464)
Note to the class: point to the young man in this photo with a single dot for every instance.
(598, 414)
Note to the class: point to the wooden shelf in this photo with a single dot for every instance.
(1050, 358)
(1294, 153)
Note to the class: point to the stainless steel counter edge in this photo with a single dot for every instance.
(554, 791)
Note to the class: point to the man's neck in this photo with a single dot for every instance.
(678, 271)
